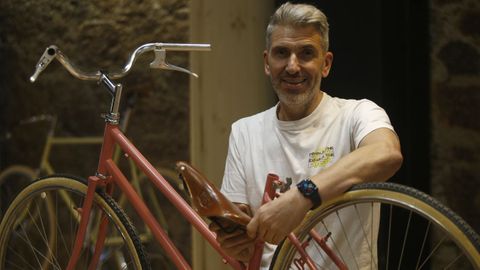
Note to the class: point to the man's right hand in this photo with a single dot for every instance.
(236, 244)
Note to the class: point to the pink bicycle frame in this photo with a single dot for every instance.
(110, 175)
(112, 136)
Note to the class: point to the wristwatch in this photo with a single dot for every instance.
(310, 191)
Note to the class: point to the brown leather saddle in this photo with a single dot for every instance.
(209, 202)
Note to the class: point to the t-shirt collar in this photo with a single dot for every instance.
(304, 122)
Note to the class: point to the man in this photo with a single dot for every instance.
(323, 143)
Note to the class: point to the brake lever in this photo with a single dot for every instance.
(46, 58)
(161, 62)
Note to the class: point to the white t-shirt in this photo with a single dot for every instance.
(262, 144)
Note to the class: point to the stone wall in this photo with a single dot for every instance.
(455, 96)
(95, 35)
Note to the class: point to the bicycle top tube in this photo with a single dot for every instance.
(159, 62)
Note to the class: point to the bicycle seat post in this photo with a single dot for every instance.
(115, 90)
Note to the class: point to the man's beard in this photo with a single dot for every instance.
(295, 99)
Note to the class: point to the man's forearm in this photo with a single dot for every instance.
(377, 159)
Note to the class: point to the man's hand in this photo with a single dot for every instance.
(236, 244)
(276, 219)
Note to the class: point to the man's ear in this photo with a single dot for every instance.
(266, 65)
(327, 64)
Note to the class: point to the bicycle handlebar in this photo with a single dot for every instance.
(159, 62)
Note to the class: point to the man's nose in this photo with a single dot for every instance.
(292, 64)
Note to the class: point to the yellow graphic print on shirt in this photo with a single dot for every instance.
(321, 157)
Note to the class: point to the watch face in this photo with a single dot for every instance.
(310, 191)
(307, 187)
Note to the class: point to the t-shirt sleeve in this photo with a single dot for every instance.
(234, 184)
(367, 117)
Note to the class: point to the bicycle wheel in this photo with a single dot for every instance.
(46, 242)
(395, 227)
(12, 180)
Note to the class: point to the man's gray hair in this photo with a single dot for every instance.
(299, 15)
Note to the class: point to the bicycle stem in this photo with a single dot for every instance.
(115, 91)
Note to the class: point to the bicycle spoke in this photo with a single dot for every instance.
(334, 242)
(389, 239)
(21, 257)
(405, 239)
(453, 262)
(432, 252)
(427, 230)
(34, 250)
(45, 240)
(59, 229)
(43, 231)
(347, 239)
(364, 232)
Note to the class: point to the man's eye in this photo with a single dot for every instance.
(308, 53)
(281, 53)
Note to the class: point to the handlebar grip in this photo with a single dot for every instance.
(45, 59)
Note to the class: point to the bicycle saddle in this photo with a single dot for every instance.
(208, 201)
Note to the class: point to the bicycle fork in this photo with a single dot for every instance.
(93, 182)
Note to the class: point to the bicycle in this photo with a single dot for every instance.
(94, 210)
(15, 177)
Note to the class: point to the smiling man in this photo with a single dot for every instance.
(325, 144)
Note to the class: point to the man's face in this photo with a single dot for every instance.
(296, 64)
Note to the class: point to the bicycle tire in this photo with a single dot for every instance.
(12, 180)
(446, 242)
(35, 245)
